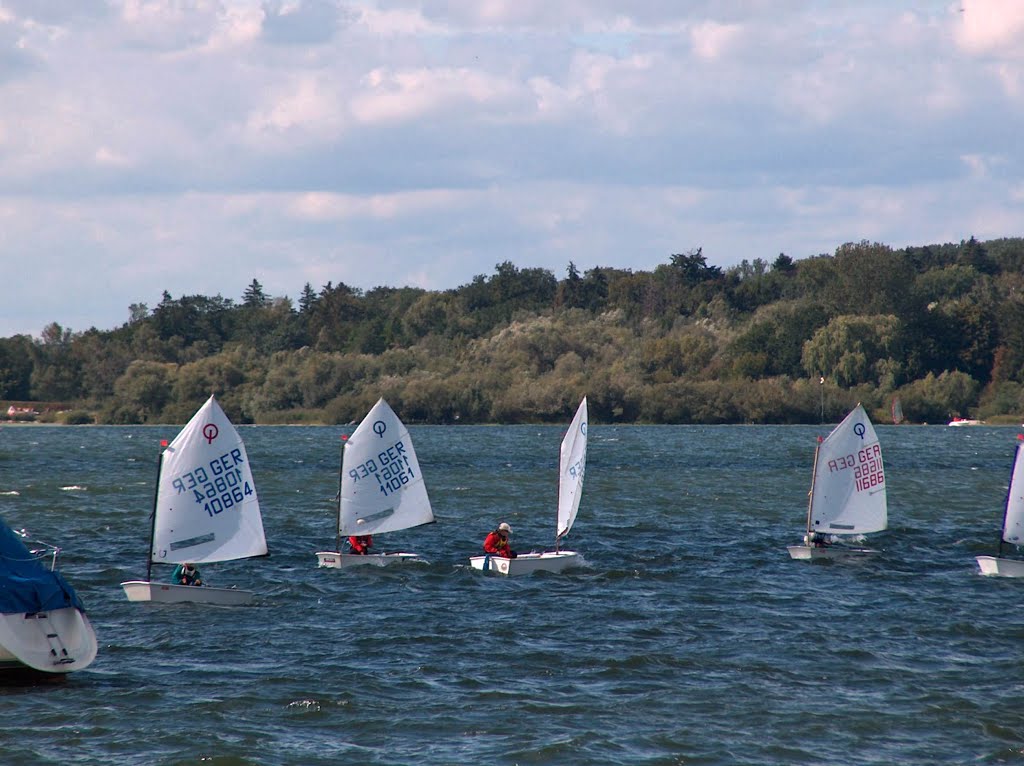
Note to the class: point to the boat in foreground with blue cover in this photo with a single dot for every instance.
(43, 627)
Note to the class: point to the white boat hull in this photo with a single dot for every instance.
(54, 641)
(525, 563)
(990, 565)
(807, 552)
(335, 560)
(169, 593)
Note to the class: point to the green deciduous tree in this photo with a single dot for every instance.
(146, 388)
(852, 350)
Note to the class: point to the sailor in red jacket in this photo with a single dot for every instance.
(496, 542)
(361, 544)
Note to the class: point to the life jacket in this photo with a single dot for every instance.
(499, 545)
(361, 543)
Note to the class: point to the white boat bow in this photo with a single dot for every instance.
(53, 641)
(999, 567)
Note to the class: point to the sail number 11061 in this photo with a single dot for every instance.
(392, 469)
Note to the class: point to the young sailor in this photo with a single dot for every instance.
(186, 574)
(496, 543)
(360, 544)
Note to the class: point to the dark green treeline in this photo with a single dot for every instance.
(941, 327)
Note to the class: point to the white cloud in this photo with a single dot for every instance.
(991, 27)
(400, 22)
(235, 27)
(192, 145)
(711, 40)
(308, 108)
(323, 207)
(400, 96)
(107, 156)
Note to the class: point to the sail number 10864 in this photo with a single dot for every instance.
(223, 492)
(230, 496)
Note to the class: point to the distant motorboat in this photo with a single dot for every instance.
(955, 422)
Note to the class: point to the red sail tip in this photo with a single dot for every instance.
(163, 442)
(1020, 437)
(820, 440)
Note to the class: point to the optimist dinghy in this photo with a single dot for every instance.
(572, 464)
(380, 489)
(205, 510)
(847, 494)
(1013, 523)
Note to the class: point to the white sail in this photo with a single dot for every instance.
(207, 509)
(572, 464)
(382, 489)
(1013, 523)
(848, 496)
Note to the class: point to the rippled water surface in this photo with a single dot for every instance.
(690, 637)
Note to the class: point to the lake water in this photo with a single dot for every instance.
(690, 637)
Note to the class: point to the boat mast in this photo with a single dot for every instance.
(152, 516)
(814, 477)
(341, 467)
(558, 492)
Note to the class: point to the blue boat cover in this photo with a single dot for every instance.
(26, 585)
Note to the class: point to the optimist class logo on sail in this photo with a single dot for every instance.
(210, 432)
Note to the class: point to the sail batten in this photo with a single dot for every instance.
(382, 488)
(848, 496)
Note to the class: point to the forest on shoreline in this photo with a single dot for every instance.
(940, 327)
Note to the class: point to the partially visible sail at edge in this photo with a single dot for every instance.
(897, 410)
(1013, 523)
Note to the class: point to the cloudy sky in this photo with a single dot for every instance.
(194, 145)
